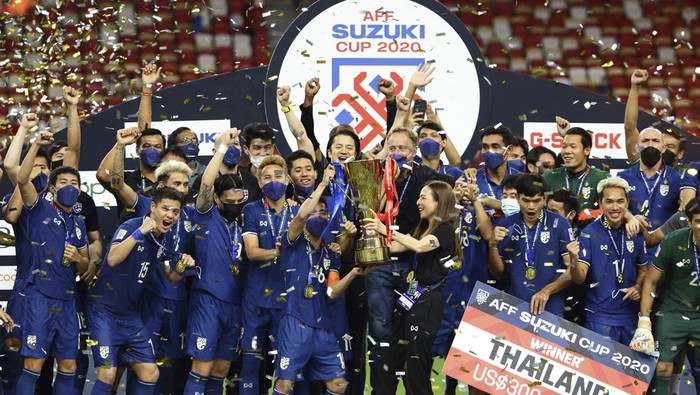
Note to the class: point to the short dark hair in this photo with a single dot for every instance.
(174, 150)
(522, 143)
(567, 198)
(167, 193)
(225, 182)
(172, 138)
(499, 129)
(41, 153)
(585, 136)
(62, 170)
(677, 135)
(432, 126)
(257, 130)
(531, 185)
(692, 208)
(534, 154)
(150, 132)
(344, 130)
(55, 147)
(510, 181)
(298, 154)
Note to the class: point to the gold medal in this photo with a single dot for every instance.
(457, 264)
(180, 267)
(410, 276)
(309, 291)
(66, 262)
(234, 269)
(619, 278)
(530, 273)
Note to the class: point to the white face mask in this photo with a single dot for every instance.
(510, 206)
(256, 160)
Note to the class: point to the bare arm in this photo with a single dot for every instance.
(13, 208)
(632, 114)
(205, 198)
(26, 188)
(341, 286)
(425, 244)
(104, 171)
(150, 74)
(496, 265)
(298, 130)
(298, 223)
(122, 191)
(255, 253)
(14, 152)
(651, 279)
(72, 156)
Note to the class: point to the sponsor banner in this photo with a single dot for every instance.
(502, 348)
(608, 139)
(7, 277)
(90, 185)
(349, 45)
(206, 132)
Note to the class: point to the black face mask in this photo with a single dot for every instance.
(231, 211)
(56, 164)
(650, 156)
(668, 157)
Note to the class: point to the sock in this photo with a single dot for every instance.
(11, 366)
(450, 386)
(165, 380)
(82, 366)
(64, 383)
(131, 379)
(250, 370)
(196, 383)
(27, 382)
(215, 386)
(675, 384)
(659, 385)
(101, 388)
(329, 392)
(142, 388)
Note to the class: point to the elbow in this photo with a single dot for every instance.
(112, 260)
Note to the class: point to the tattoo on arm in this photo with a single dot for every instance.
(118, 168)
(433, 244)
(205, 199)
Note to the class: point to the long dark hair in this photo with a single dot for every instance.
(445, 212)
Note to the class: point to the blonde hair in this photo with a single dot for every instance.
(165, 169)
(273, 160)
(613, 182)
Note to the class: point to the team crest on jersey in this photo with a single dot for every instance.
(201, 343)
(586, 191)
(326, 263)
(284, 363)
(544, 237)
(31, 341)
(630, 245)
(48, 196)
(188, 225)
(663, 188)
(78, 233)
(104, 352)
(77, 208)
(468, 217)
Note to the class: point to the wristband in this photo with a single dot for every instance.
(137, 235)
(222, 149)
(146, 93)
(643, 318)
(287, 108)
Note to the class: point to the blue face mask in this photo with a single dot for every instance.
(492, 160)
(304, 192)
(429, 148)
(232, 156)
(150, 157)
(510, 206)
(68, 195)
(517, 164)
(274, 190)
(40, 181)
(400, 160)
(191, 150)
(316, 225)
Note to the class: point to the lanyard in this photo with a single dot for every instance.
(530, 251)
(695, 251)
(619, 270)
(269, 218)
(651, 190)
(488, 181)
(69, 234)
(315, 268)
(582, 180)
(235, 250)
(405, 187)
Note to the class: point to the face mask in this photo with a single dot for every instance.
(668, 157)
(400, 160)
(492, 160)
(232, 156)
(517, 164)
(650, 156)
(256, 160)
(231, 211)
(40, 181)
(510, 206)
(274, 190)
(191, 150)
(316, 225)
(150, 157)
(68, 195)
(304, 192)
(429, 148)
(56, 164)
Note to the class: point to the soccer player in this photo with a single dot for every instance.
(496, 146)
(214, 324)
(50, 327)
(676, 319)
(539, 160)
(306, 338)
(138, 250)
(534, 246)
(264, 221)
(431, 143)
(613, 262)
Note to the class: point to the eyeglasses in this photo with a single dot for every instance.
(188, 140)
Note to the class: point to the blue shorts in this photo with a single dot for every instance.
(303, 349)
(339, 322)
(258, 323)
(166, 320)
(15, 308)
(117, 341)
(213, 328)
(621, 334)
(50, 327)
(451, 318)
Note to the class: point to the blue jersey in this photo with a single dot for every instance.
(178, 239)
(609, 261)
(487, 186)
(22, 241)
(548, 240)
(461, 279)
(118, 289)
(306, 268)
(264, 281)
(656, 197)
(50, 228)
(449, 170)
(218, 249)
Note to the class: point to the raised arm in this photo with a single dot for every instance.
(419, 78)
(72, 156)
(388, 89)
(205, 198)
(453, 156)
(632, 114)
(562, 125)
(120, 251)
(150, 74)
(307, 114)
(495, 263)
(118, 187)
(297, 224)
(303, 142)
(14, 152)
(26, 188)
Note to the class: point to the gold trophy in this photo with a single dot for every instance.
(365, 178)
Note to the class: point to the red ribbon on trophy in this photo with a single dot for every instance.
(391, 209)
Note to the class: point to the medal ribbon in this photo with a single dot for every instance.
(650, 191)
(338, 189)
(391, 210)
(530, 251)
(582, 180)
(266, 204)
(620, 252)
(313, 267)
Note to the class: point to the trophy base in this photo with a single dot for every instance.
(372, 257)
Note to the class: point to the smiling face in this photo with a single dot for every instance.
(165, 214)
(343, 147)
(303, 173)
(614, 204)
(573, 153)
(400, 143)
(427, 204)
